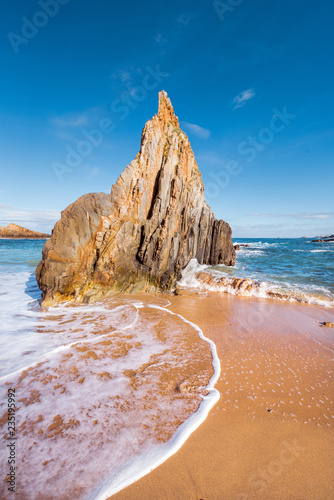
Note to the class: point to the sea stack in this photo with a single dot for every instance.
(142, 235)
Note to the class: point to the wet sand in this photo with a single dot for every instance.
(271, 433)
(121, 381)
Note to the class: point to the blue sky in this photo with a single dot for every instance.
(252, 84)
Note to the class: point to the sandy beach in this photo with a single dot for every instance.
(271, 433)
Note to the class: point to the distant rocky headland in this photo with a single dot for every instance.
(142, 235)
(323, 239)
(14, 231)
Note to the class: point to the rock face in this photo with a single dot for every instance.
(142, 235)
(15, 231)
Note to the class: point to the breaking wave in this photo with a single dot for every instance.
(219, 279)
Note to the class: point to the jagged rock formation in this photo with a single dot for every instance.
(15, 231)
(143, 234)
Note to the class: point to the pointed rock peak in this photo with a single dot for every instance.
(166, 111)
(142, 235)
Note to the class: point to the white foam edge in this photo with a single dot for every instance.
(146, 462)
(47, 356)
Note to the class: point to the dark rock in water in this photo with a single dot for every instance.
(326, 323)
(143, 234)
(236, 247)
(13, 231)
(324, 239)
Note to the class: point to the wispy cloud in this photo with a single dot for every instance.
(127, 78)
(244, 96)
(124, 76)
(67, 135)
(302, 215)
(95, 171)
(18, 215)
(202, 133)
(258, 230)
(72, 120)
(294, 230)
(210, 158)
(68, 127)
(160, 39)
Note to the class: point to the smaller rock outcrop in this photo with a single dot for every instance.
(324, 239)
(18, 232)
(237, 246)
(240, 286)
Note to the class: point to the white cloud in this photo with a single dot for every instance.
(125, 76)
(96, 171)
(302, 215)
(294, 230)
(244, 96)
(210, 158)
(69, 123)
(160, 39)
(258, 230)
(202, 133)
(71, 120)
(67, 135)
(30, 217)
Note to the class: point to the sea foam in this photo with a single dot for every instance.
(232, 281)
(113, 388)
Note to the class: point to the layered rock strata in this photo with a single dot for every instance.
(142, 235)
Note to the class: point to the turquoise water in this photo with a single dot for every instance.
(18, 255)
(294, 266)
(19, 304)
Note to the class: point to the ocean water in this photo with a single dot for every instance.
(294, 268)
(114, 387)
